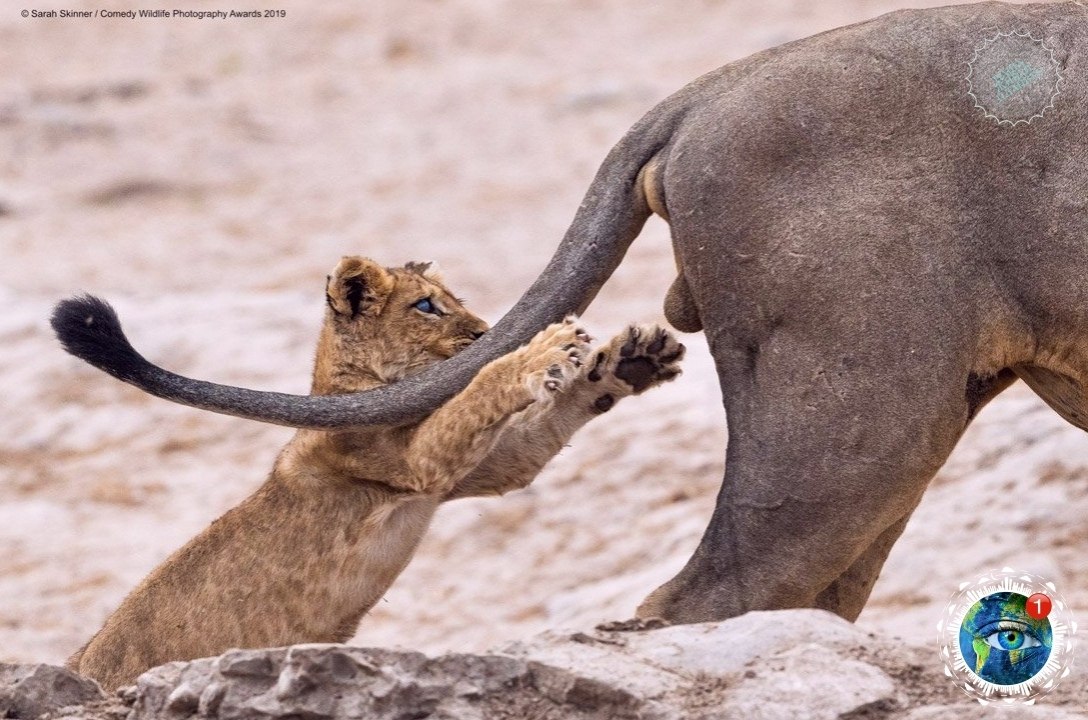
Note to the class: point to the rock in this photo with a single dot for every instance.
(984, 712)
(710, 648)
(30, 691)
(788, 665)
(325, 681)
(782, 687)
(762, 664)
(723, 648)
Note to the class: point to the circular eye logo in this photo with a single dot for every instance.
(1007, 637)
(1001, 643)
(1013, 78)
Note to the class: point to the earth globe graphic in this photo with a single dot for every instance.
(1001, 642)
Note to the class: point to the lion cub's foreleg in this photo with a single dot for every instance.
(460, 434)
(634, 361)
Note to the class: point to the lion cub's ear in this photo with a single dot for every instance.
(358, 286)
(429, 270)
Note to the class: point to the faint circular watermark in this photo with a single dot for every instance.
(1013, 78)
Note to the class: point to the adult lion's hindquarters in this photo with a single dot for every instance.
(872, 258)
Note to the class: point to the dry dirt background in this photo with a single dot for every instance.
(204, 175)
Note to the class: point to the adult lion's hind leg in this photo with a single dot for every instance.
(846, 595)
(819, 478)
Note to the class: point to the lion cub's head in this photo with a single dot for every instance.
(383, 324)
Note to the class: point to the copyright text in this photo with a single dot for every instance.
(154, 14)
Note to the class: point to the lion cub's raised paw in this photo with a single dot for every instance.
(553, 359)
(640, 358)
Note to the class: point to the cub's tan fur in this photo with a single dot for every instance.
(305, 556)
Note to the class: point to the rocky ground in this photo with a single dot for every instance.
(205, 175)
(785, 665)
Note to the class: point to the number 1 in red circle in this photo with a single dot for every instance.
(1038, 606)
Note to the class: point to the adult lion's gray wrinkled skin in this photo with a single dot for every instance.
(872, 260)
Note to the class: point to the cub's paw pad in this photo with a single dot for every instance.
(641, 357)
(604, 403)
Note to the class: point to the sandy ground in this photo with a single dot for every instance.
(204, 175)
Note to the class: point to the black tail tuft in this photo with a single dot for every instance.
(88, 328)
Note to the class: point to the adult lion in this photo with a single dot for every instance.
(875, 244)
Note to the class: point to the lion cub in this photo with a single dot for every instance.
(310, 552)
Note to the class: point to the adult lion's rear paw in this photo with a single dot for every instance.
(641, 357)
(554, 358)
(633, 625)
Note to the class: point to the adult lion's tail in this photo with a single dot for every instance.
(610, 217)
(88, 327)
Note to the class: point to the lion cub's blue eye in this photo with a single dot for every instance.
(425, 305)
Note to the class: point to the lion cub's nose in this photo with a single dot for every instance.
(477, 334)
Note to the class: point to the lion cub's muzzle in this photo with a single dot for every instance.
(472, 337)
(468, 336)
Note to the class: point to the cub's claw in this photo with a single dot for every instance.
(554, 357)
